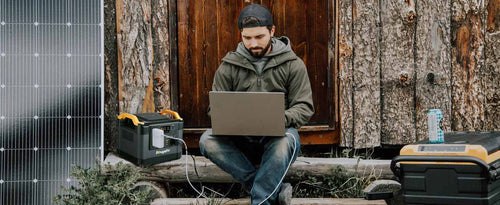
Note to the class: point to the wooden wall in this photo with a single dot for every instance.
(398, 59)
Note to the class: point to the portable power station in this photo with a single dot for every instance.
(462, 170)
(141, 137)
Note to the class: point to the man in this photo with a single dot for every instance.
(261, 63)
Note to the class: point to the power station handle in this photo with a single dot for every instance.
(131, 117)
(175, 114)
(490, 174)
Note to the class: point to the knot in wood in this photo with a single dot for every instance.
(403, 78)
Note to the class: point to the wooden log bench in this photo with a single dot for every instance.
(295, 201)
(175, 171)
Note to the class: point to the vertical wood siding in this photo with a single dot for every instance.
(433, 55)
(433, 65)
(397, 70)
(346, 73)
(366, 73)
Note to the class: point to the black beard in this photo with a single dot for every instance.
(262, 53)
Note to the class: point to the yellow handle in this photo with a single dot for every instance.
(175, 114)
(132, 117)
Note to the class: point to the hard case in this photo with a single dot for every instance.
(135, 133)
(462, 170)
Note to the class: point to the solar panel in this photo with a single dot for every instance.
(51, 95)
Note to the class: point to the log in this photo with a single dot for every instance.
(295, 201)
(175, 171)
(467, 62)
(346, 74)
(156, 189)
(366, 74)
(491, 74)
(433, 86)
(397, 72)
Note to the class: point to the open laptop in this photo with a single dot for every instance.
(247, 113)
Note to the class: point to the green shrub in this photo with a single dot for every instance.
(95, 187)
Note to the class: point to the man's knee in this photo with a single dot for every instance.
(207, 143)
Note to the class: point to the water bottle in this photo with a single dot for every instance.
(436, 134)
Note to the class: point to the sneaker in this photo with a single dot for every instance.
(285, 195)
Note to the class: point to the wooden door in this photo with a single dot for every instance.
(207, 30)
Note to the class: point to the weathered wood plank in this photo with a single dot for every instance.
(135, 51)
(161, 51)
(366, 81)
(346, 74)
(110, 76)
(397, 71)
(316, 41)
(295, 201)
(175, 171)
(433, 86)
(467, 62)
(491, 74)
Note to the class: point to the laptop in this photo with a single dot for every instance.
(247, 113)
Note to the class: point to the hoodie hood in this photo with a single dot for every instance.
(279, 45)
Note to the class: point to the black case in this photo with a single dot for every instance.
(452, 182)
(134, 143)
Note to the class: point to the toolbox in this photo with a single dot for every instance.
(462, 170)
(141, 137)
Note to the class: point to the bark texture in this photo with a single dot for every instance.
(136, 56)
(110, 76)
(175, 171)
(161, 48)
(433, 85)
(467, 61)
(491, 75)
(346, 73)
(366, 74)
(397, 71)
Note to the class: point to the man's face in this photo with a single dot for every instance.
(257, 40)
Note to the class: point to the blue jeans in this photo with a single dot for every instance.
(237, 155)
